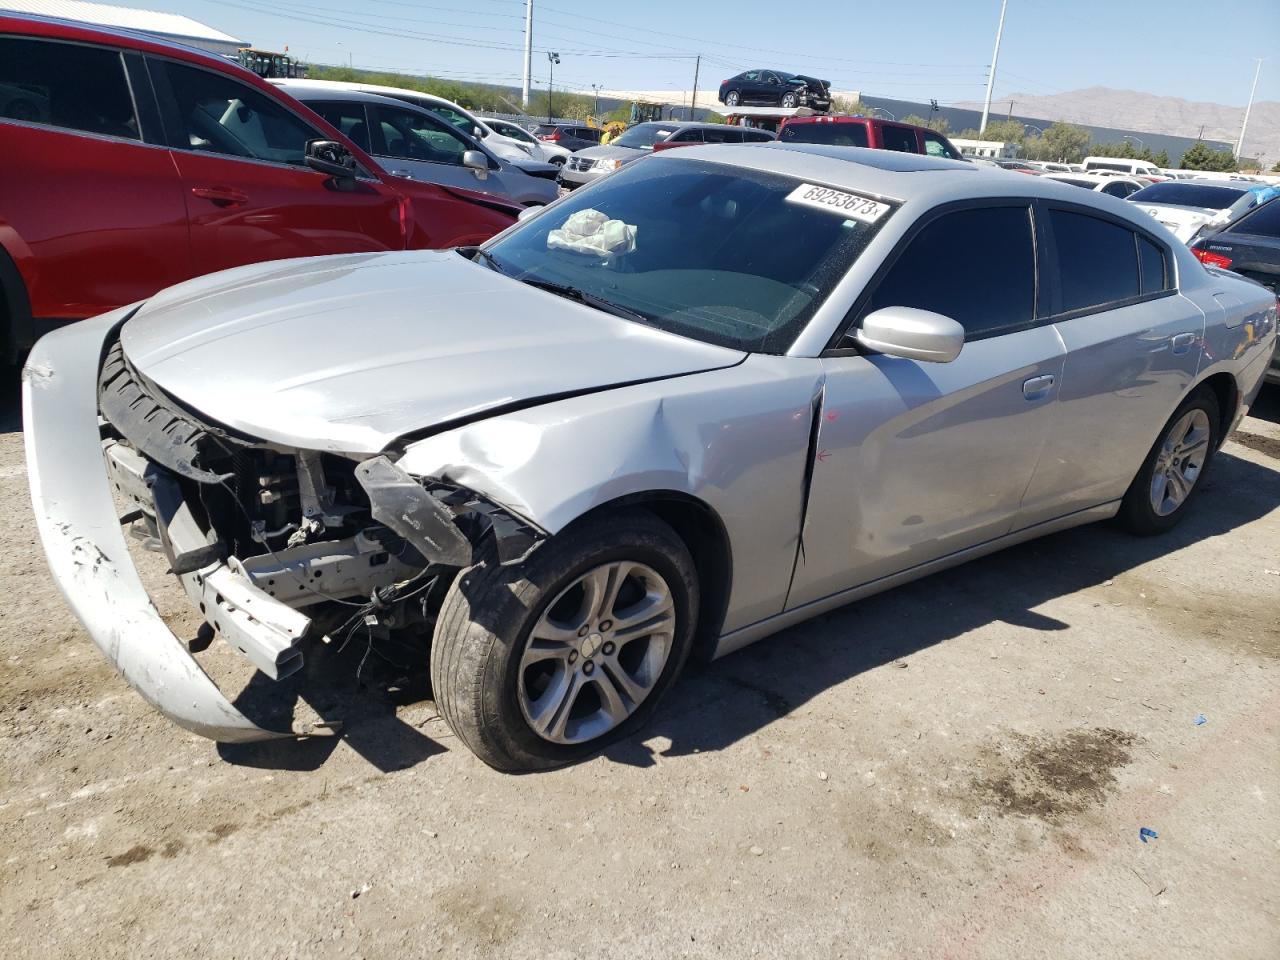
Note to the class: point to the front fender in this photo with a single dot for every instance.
(735, 438)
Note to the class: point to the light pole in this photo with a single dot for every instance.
(1245, 125)
(1032, 126)
(1142, 144)
(552, 59)
(991, 77)
(595, 106)
(878, 110)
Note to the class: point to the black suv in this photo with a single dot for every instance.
(571, 136)
(774, 88)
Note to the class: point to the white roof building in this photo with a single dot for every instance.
(167, 26)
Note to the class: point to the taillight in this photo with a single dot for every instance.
(1211, 259)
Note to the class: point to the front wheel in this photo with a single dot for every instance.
(541, 664)
(1174, 469)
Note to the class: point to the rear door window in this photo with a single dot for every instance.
(976, 266)
(687, 136)
(1097, 261)
(347, 117)
(67, 85)
(899, 138)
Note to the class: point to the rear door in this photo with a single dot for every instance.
(91, 206)
(914, 460)
(249, 196)
(1133, 348)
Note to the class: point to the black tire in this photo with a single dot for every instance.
(1137, 512)
(733, 99)
(788, 101)
(481, 633)
(557, 160)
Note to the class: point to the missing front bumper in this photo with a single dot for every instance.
(86, 550)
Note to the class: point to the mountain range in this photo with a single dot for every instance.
(1133, 110)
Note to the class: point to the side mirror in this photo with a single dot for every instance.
(477, 162)
(912, 334)
(330, 157)
(528, 212)
(479, 133)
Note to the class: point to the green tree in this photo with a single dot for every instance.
(1064, 142)
(1006, 131)
(1203, 157)
(936, 123)
(1161, 159)
(854, 108)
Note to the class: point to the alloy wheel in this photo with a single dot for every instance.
(596, 652)
(1180, 461)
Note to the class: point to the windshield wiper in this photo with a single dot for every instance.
(588, 299)
(471, 253)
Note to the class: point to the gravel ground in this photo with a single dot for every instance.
(958, 768)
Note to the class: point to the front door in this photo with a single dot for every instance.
(249, 196)
(914, 460)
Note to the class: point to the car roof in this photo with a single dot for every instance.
(23, 24)
(371, 88)
(912, 178)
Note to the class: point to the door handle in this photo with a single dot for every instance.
(221, 196)
(1182, 343)
(1037, 388)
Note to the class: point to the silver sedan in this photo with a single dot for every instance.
(675, 412)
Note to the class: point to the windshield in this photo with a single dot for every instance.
(723, 254)
(837, 134)
(644, 135)
(1189, 195)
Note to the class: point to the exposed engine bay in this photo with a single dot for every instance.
(279, 546)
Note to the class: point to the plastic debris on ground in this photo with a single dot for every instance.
(1146, 833)
(1200, 720)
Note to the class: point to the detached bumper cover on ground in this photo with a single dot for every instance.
(85, 545)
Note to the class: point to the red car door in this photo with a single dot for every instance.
(91, 208)
(239, 152)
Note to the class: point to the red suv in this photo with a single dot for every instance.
(131, 164)
(867, 132)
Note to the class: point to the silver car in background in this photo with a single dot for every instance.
(411, 142)
(716, 394)
(640, 141)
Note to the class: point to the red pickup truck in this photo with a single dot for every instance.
(867, 132)
(131, 164)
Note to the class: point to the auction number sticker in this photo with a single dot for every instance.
(837, 201)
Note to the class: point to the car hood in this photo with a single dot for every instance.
(348, 353)
(625, 154)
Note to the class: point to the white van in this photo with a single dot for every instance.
(1134, 168)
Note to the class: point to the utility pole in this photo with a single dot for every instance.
(552, 59)
(1245, 126)
(991, 77)
(693, 101)
(528, 51)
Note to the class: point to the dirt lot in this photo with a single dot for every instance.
(958, 768)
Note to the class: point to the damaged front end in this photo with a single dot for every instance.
(276, 547)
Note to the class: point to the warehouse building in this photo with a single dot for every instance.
(167, 26)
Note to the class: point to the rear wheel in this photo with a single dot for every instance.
(541, 664)
(788, 100)
(732, 98)
(1174, 470)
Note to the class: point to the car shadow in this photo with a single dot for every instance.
(1267, 406)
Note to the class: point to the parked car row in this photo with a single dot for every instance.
(144, 163)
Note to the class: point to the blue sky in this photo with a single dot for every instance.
(912, 49)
